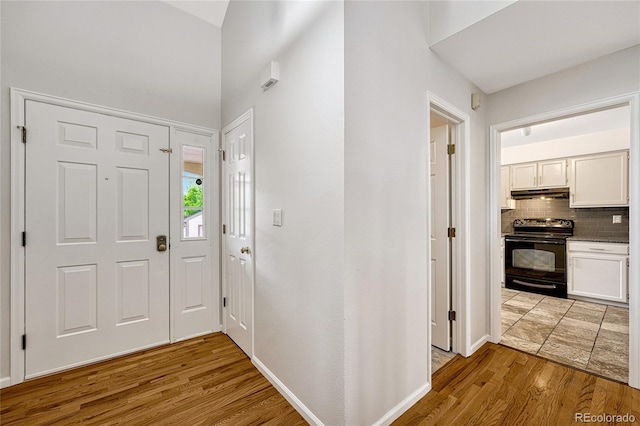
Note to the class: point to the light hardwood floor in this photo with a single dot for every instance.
(501, 386)
(209, 381)
(202, 381)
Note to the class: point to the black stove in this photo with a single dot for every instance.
(535, 256)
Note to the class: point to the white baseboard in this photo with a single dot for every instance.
(289, 396)
(481, 341)
(4, 382)
(407, 403)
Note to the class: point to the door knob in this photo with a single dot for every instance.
(161, 243)
(245, 250)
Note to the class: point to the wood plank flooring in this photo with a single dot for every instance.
(501, 386)
(202, 381)
(209, 381)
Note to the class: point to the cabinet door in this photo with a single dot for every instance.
(505, 191)
(600, 180)
(524, 176)
(598, 276)
(552, 174)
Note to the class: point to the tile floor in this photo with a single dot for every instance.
(585, 335)
(439, 358)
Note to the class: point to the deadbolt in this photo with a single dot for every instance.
(161, 242)
(245, 250)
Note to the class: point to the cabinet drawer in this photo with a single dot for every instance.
(590, 247)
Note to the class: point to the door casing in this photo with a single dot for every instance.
(17, 208)
(633, 101)
(461, 201)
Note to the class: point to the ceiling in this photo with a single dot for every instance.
(211, 11)
(610, 119)
(530, 39)
(520, 42)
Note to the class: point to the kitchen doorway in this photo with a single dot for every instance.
(607, 316)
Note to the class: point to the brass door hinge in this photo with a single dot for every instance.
(23, 129)
(451, 149)
(451, 232)
(452, 315)
(224, 229)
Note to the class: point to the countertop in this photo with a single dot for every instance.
(621, 240)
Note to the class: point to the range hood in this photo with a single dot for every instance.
(540, 193)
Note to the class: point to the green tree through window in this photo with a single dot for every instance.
(193, 198)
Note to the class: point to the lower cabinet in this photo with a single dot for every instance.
(598, 270)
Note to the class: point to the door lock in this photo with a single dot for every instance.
(161, 243)
(245, 250)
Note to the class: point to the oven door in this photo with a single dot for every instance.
(537, 265)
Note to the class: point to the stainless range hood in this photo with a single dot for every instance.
(540, 193)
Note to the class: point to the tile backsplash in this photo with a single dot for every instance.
(589, 222)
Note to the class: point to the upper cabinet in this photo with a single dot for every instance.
(506, 202)
(542, 174)
(600, 180)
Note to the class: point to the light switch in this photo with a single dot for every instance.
(617, 218)
(277, 217)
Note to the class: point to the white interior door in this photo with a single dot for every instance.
(440, 263)
(237, 212)
(193, 236)
(96, 198)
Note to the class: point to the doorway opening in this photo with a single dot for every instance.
(587, 326)
(447, 159)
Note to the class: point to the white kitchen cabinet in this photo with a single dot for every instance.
(598, 270)
(524, 176)
(506, 202)
(543, 174)
(600, 180)
(552, 174)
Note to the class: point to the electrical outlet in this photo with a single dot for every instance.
(617, 218)
(277, 217)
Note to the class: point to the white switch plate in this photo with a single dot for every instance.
(277, 217)
(617, 218)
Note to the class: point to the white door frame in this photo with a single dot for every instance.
(633, 101)
(17, 207)
(461, 196)
(248, 115)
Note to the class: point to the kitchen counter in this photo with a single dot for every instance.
(621, 240)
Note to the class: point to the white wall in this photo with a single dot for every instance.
(601, 78)
(299, 168)
(592, 143)
(447, 17)
(145, 57)
(388, 69)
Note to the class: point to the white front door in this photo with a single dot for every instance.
(237, 217)
(440, 262)
(96, 199)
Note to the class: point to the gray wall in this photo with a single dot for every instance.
(145, 57)
(299, 168)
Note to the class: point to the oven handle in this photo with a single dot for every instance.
(535, 285)
(518, 240)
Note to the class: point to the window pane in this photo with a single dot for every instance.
(192, 191)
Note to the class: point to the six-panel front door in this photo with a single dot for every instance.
(97, 197)
(237, 190)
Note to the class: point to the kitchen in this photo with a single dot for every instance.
(565, 226)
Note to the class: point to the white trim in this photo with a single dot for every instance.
(5, 382)
(633, 100)
(393, 414)
(461, 290)
(478, 343)
(289, 396)
(247, 115)
(18, 99)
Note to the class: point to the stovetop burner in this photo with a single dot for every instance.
(543, 228)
